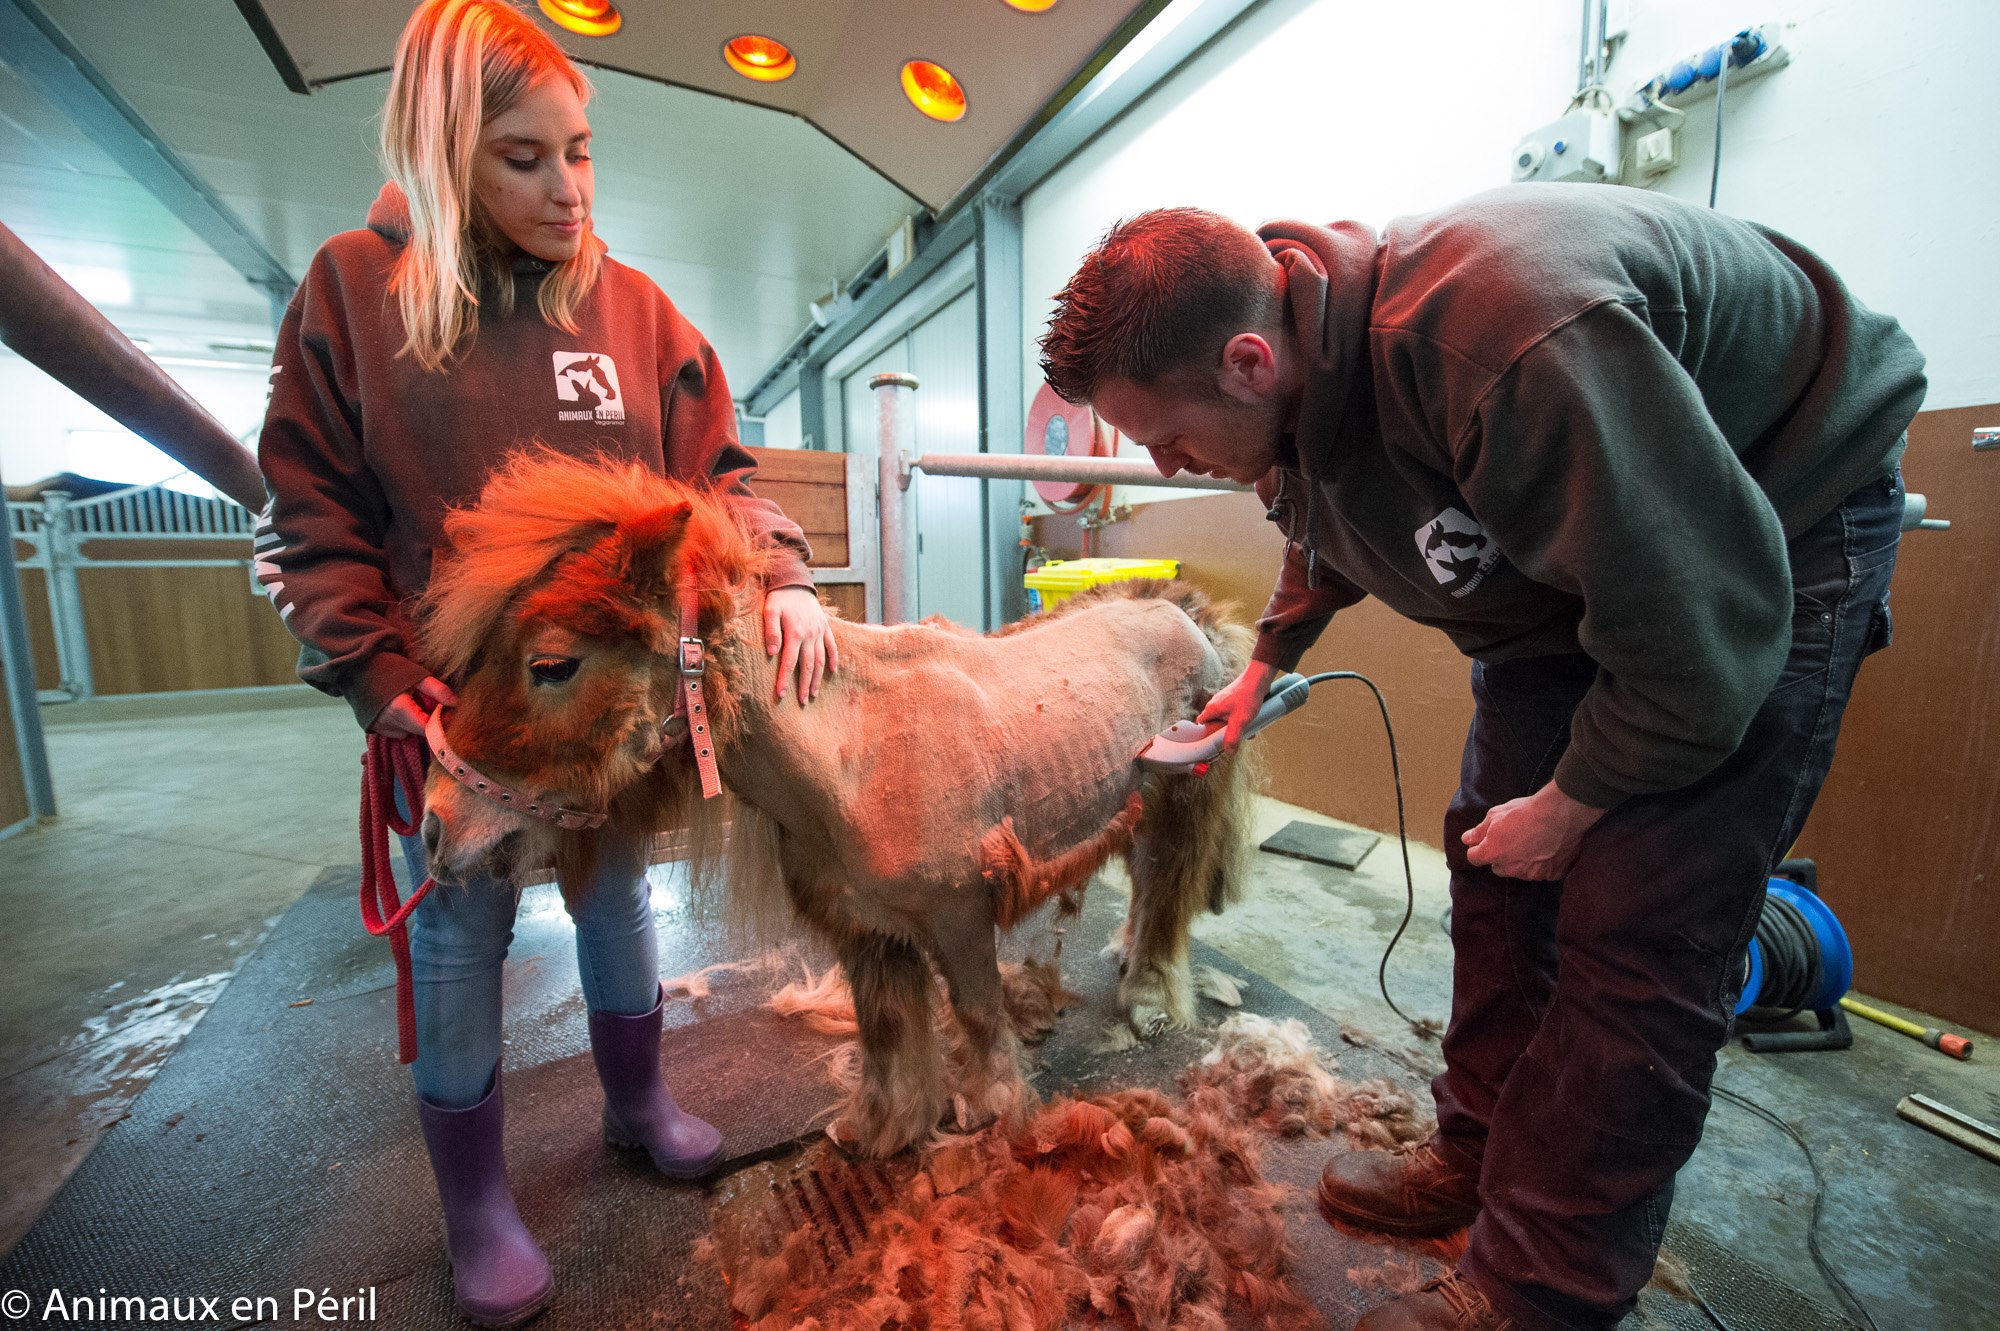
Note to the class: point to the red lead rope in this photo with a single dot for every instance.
(382, 912)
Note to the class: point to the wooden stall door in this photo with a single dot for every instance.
(812, 489)
(35, 608)
(1907, 831)
(166, 630)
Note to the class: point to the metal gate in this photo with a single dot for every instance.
(144, 590)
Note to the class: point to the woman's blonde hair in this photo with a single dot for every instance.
(459, 64)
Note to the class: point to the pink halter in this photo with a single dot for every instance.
(689, 704)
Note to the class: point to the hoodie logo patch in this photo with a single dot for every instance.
(1458, 550)
(589, 379)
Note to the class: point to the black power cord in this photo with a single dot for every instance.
(1793, 970)
(1721, 87)
(1827, 1270)
(1402, 837)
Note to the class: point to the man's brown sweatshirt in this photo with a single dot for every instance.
(1561, 418)
(364, 450)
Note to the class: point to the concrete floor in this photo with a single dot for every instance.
(186, 828)
(189, 826)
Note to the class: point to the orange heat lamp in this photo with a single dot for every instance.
(934, 90)
(761, 58)
(1032, 6)
(586, 18)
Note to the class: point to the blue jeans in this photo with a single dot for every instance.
(459, 937)
(1586, 1014)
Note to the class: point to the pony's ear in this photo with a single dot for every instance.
(649, 546)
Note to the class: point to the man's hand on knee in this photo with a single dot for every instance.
(1536, 838)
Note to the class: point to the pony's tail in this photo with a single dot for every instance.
(1197, 828)
(1192, 848)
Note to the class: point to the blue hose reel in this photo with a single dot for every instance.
(1800, 961)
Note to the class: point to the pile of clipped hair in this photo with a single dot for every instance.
(1132, 1208)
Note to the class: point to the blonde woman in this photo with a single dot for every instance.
(477, 310)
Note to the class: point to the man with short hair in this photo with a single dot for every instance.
(1639, 460)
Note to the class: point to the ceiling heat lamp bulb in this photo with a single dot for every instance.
(934, 90)
(761, 58)
(586, 18)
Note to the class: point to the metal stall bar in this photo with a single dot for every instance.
(17, 677)
(1002, 378)
(1083, 471)
(896, 420)
(896, 427)
(59, 554)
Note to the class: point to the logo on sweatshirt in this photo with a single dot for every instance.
(589, 379)
(1458, 550)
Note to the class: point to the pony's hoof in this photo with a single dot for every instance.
(965, 1116)
(842, 1134)
(1119, 949)
(1114, 1037)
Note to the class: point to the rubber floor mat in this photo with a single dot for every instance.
(278, 1149)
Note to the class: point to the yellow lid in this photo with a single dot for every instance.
(1072, 574)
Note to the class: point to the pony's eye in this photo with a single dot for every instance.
(553, 669)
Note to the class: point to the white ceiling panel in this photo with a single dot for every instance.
(108, 236)
(850, 54)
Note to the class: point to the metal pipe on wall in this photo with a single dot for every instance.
(897, 465)
(1583, 48)
(44, 319)
(1082, 470)
(896, 429)
(1597, 51)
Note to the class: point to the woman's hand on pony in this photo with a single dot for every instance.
(797, 632)
(404, 717)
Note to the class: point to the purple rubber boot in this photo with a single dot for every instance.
(497, 1271)
(639, 1110)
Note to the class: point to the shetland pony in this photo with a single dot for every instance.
(943, 783)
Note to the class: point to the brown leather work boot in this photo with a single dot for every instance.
(1449, 1303)
(1417, 1195)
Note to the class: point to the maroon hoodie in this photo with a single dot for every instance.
(365, 450)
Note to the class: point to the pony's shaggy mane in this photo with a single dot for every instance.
(540, 506)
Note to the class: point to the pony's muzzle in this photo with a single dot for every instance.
(435, 861)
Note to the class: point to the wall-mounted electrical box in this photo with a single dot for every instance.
(1589, 143)
(1583, 146)
(1655, 153)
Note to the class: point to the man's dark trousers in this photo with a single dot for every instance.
(1586, 1014)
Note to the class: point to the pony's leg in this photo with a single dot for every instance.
(1155, 986)
(902, 1092)
(964, 945)
(1119, 945)
(1189, 856)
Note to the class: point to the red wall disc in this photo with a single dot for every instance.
(1061, 429)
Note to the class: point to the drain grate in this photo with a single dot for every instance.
(820, 1193)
